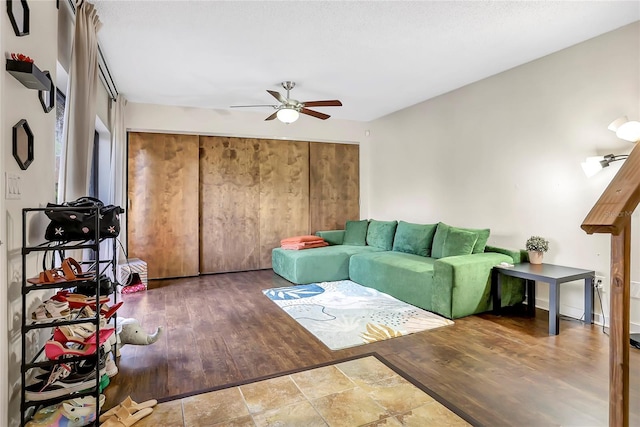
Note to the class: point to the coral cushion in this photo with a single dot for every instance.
(298, 239)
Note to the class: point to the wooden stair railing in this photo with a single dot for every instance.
(612, 215)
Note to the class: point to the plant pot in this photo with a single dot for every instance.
(535, 257)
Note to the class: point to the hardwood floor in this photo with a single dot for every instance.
(501, 370)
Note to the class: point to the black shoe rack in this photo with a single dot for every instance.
(29, 329)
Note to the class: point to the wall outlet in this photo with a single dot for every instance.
(12, 186)
(600, 282)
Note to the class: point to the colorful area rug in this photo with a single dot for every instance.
(344, 314)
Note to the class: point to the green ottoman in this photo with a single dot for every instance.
(326, 264)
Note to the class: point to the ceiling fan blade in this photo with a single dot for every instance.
(271, 117)
(277, 96)
(316, 114)
(327, 103)
(256, 105)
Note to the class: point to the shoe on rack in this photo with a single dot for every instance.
(62, 380)
(77, 412)
(80, 300)
(106, 312)
(104, 382)
(72, 270)
(48, 277)
(111, 368)
(64, 335)
(79, 332)
(54, 350)
(51, 310)
(81, 367)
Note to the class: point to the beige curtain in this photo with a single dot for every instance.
(80, 108)
(118, 162)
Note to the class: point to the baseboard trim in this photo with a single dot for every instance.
(578, 314)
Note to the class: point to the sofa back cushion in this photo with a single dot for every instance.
(414, 238)
(380, 234)
(355, 233)
(458, 242)
(441, 234)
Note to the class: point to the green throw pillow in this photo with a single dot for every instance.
(441, 234)
(356, 233)
(380, 234)
(438, 240)
(483, 238)
(459, 242)
(414, 238)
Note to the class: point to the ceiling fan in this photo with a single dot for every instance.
(289, 109)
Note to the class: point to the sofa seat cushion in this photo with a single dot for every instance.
(407, 277)
(326, 264)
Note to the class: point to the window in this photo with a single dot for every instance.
(60, 100)
(94, 185)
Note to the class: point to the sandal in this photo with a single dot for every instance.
(54, 350)
(48, 277)
(79, 300)
(60, 335)
(77, 333)
(106, 312)
(51, 310)
(125, 417)
(73, 270)
(129, 404)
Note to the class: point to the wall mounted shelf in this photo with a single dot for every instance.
(29, 75)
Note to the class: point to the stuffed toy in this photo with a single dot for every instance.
(130, 331)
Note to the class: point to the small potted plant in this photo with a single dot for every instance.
(536, 246)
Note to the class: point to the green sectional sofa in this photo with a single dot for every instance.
(437, 267)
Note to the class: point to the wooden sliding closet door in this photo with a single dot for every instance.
(162, 219)
(229, 204)
(284, 193)
(335, 185)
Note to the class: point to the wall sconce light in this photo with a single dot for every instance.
(593, 165)
(626, 129)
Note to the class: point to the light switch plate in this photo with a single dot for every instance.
(13, 188)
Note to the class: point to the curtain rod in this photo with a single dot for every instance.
(105, 74)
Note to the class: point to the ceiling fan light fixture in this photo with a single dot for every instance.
(287, 115)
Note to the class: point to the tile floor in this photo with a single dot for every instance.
(359, 392)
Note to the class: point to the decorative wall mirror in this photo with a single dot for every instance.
(23, 144)
(48, 97)
(18, 11)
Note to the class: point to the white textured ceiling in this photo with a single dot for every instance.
(376, 57)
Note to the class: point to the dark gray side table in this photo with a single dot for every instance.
(554, 275)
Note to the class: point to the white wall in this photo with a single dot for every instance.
(505, 153)
(37, 181)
